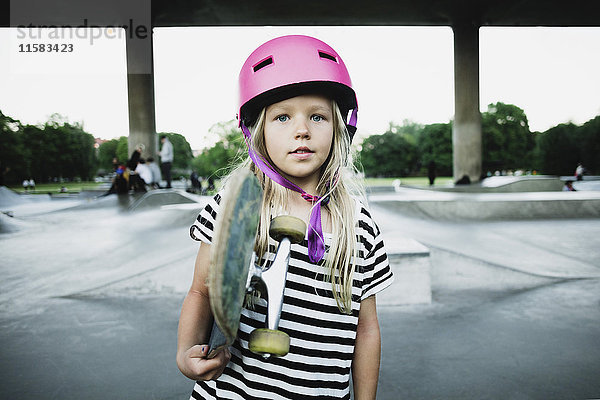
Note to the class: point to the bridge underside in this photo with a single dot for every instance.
(378, 12)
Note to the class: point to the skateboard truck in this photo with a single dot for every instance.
(270, 341)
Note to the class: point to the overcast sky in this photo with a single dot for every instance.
(398, 72)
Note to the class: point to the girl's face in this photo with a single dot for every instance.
(298, 136)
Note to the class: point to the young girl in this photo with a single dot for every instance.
(295, 96)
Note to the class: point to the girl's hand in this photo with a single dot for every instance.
(194, 364)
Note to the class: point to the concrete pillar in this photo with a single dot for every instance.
(140, 90)
(466, 132)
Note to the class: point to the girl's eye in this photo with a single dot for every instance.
(317, 118)
(282, 118)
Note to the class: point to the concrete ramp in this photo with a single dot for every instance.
(9, 197)
(410, 262)
(517, 184)
(158, 198)
(508, 184)
(27, 205)
(550, 248)
(80, 250)
(181, 214)
(491, 206)
(10, 224)
(154, 199)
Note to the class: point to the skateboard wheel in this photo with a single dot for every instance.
(287, 226)
(269, 342)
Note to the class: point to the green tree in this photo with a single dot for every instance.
(216, 160)
(14, 155)
(61, 149)
(387, 155)
(106, 152)
(42, 161)
(588, 141)
(56, 149)
(560, 148)
(507, 141)
(409, 129)
(435, 144)
(182, 152)
(557, 149)
(123, 150)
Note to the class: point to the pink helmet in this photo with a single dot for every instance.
(290, 66)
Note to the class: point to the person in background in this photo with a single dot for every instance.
(115, 164)
(579, 171)
(144, 172)
(166, 158)
(132, 163)
(431, 172)
(135, 157)
(569, 187)
(211, 184)
(196, 182)
(156, 177)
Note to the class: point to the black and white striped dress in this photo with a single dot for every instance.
(321, 337)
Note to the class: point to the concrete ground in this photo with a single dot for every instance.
(90, 297)
(515, 312)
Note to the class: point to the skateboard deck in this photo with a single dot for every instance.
(232, 254)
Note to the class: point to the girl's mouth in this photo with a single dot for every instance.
(302, 150)
(302, 153)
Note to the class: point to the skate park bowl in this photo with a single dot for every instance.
(157, 198)
(496, 198)
(173, 207)
(136, 243)
(510, 184)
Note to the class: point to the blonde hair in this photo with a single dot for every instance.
(336, 182)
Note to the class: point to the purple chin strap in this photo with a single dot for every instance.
(316, 243)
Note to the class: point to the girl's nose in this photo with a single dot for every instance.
(302, 131)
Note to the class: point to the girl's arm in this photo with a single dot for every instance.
(195, 323)
(367, 352)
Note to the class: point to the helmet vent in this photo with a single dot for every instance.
(263, 63)
(322, 54)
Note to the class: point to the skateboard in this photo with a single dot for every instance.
(233, 272)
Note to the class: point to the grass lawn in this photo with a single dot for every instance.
(44, 188)
(411, 181)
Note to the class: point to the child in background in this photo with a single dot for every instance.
(156, 177)
(295, 96)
